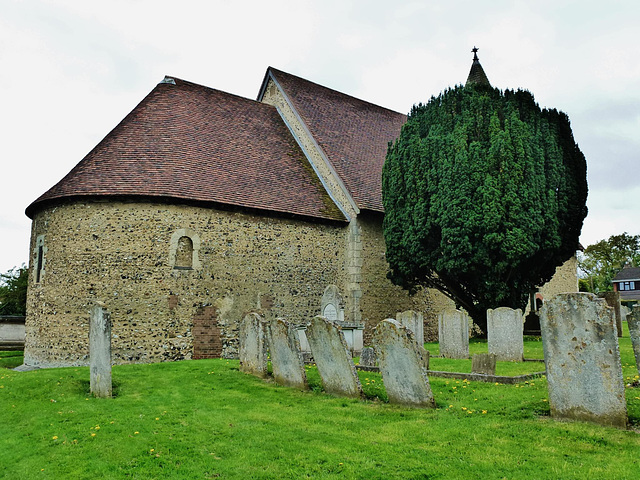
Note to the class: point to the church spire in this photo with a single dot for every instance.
(477, 75)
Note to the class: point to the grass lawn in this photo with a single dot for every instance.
(205, 419)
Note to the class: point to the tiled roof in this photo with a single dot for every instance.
(353, 134)
(627, 273)
(186, 142)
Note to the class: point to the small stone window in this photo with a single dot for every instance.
(184, 253)
(184, 250)
(39, 258)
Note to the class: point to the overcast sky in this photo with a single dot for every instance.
(73, 69)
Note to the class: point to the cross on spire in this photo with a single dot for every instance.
(475, 52)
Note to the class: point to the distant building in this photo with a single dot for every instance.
(627, 282)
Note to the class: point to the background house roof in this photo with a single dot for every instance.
(627, 273)
(186, 142)
(353, 134)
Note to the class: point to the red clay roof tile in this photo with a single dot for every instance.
(191, 143)
(353, 134)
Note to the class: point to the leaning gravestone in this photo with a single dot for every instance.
(286, 357)
(100, 352)
(402, 365)
(633, 321)
(584, 374)
(505, 334)
(333, 359)
(483, 363)
(253, 345)
(414, 321)
(453, 333)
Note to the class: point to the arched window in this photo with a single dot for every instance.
(184, 249)
(184, 253)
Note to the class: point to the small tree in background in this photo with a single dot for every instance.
(484, 196)
(601, 261)
(13, 291)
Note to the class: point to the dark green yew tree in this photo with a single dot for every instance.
(484, 195)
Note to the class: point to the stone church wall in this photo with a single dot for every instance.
(129, 256)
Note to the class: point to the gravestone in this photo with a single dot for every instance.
(633, 320)
(333, 359)
(332, 308)
(613, 300)
(414, 321)
(286, 358)
(505, 329)
(584, 373)
(253, 345)
(368, 357)
(453, 333)
(483, 363)
(100, 352)
(402, 364)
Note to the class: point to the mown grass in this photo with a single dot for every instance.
(206, 419)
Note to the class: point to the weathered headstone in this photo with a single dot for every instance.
(100, 352)
(414, 321)
(286, 358)
(402, 365)
(333, 359)
(633, 321)
(453, 333)
(332, 306)
(505, 334)
(584, 373)
(253, 345)
(483, 363)
(613, 300)
(368, 357)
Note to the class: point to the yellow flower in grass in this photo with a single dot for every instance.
(484, 412)
(93, 434)
(55, 437)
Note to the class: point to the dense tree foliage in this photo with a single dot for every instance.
(601, 261)
(484, 195)
(13, 291)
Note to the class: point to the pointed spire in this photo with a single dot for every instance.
(477, 75)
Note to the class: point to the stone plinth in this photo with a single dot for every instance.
(253, 345)
(333, 359)
(100, 352)
(505, 339)
(453, 333)
(414, 321)
(286, 358)
(403, 365)
(483, 363)
(584, 373)
(368, 357)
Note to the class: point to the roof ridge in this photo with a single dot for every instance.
(336, 91)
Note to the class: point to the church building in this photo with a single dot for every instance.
(201, 206)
